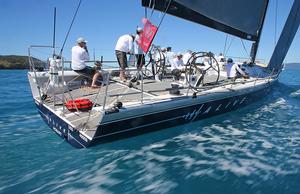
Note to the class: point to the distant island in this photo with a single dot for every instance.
(16, 62)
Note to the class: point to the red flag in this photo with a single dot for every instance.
(147, 36)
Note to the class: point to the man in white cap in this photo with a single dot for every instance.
(80, 55)
(123, 47)
(177, 66)
(222, 61)
(139, 54)
(170, 56)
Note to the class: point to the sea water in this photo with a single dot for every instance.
(254, 150)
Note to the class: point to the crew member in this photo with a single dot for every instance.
(80, 55)
(124, 46)
(221, 58)
(222, 61)
(234, 71)
(139, 54)
(170, 56)
(187, 56)
(177, 66)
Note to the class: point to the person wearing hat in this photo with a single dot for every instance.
(221, 58)
(139, 54)
(186, 57)
(177, 66)
(221, 61)
(80, 55)
(169, 55)
(123, 47)
(234, 71)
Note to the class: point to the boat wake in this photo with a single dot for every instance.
(252, 150)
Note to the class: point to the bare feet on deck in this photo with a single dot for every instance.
(123, 79)
(95, 87)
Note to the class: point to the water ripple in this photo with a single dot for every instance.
(252, 150)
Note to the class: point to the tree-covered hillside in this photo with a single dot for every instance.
(16, 62)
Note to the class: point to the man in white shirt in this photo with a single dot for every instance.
(222, 61)
(124, 46)
(139, 54)
(234, 71)
(170, 56)
(80, 55)
(177, 66)
(187, 56)
(221, 58)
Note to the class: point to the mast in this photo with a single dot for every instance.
(54, 31)
(286, 38)
(256, 43)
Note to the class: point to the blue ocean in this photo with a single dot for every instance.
(254, 150)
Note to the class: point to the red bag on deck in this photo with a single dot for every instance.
(83, 104)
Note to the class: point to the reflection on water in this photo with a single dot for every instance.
(252, 150)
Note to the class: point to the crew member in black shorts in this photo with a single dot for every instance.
(123, 47)
(80, 55)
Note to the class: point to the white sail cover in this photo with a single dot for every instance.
(242, 18)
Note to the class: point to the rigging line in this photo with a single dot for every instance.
(152, 7)
(146, 13)
(62, 48)
(149, 5)
(225, 44)
(94, 54)
(276, 15)
(165, 12)
(161, 18)
(229, 45)
(245, 49)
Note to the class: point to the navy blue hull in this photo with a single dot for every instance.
(146, 123)
(62, 128)
(151, 122)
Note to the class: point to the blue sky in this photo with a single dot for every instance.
(101, 22)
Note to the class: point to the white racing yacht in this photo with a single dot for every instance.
(121, 109)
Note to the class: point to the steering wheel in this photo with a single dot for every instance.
(155, 62)
(202, 69)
